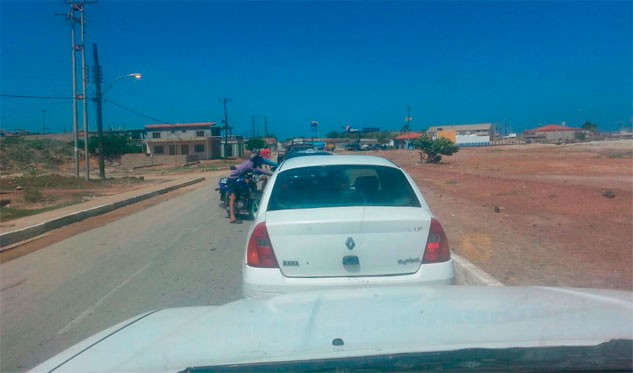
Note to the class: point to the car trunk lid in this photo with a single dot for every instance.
(348, 241)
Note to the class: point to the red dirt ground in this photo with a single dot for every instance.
(61, 196)
(554, 227)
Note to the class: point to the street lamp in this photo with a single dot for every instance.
(99, 102)
(136, 76)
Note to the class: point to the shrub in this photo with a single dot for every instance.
(433, 149)
(33, 193)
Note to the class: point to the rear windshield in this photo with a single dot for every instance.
(341, 185)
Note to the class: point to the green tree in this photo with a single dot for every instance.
(580, 136)
(332, 135)
(383, 137)
(591, 127)
(255, 143)
(433, 149)
(114, 145)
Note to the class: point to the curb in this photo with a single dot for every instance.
(466, 273)
(9, 238)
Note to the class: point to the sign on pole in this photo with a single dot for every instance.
(314, 126)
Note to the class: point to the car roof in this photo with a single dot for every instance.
(299, 147)
(303, 152)
(328, 160)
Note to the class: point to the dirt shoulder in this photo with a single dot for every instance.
(536, 214)
(31, 193)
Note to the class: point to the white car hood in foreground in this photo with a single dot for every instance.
(369, 321)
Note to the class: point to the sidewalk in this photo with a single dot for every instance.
(28, 227)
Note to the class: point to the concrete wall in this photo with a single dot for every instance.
(472, 140)
(132, 161)
(560, 135)
(171, 148)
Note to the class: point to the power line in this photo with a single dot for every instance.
(70, 98)
(33, 106)
(45, 97)
(135, 112)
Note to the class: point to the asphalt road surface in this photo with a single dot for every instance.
(181, 252)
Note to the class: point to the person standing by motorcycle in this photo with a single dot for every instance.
(265, 153)
(253, 163)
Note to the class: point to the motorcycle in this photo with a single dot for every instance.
(247, 194)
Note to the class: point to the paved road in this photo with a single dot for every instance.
(178, 253)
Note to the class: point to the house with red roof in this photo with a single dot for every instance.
(405, 140)
(552, 133)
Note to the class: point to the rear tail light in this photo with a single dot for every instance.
(260, 251)
(437, 250)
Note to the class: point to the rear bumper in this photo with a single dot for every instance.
(269, 281)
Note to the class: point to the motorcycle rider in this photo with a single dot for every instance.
(253, 163)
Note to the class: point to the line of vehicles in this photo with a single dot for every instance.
(346, 269)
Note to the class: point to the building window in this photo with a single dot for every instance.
(159, 150)
(184, 149)
(183, 131)
(172, 131)
(198, 148)
(199, 133)
(156, 135)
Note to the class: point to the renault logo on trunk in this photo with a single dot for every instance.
(350, 243)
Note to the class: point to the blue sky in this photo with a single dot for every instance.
(341, 63)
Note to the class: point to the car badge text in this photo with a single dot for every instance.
(410, 260)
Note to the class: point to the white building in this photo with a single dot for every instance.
(200, 139)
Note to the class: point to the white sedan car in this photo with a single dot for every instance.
(344, 220)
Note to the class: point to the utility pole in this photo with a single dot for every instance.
(84, 83)
(78, 6)
(407, 121)
(266, 127)
(226, 127)
(71, 18)
(99, 101)
(43, 122)
(253, 119)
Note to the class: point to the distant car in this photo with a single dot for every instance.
(344, 220)
(293, 148)
(371, 147)
(304, 152)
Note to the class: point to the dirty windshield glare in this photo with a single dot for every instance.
(335, 186)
